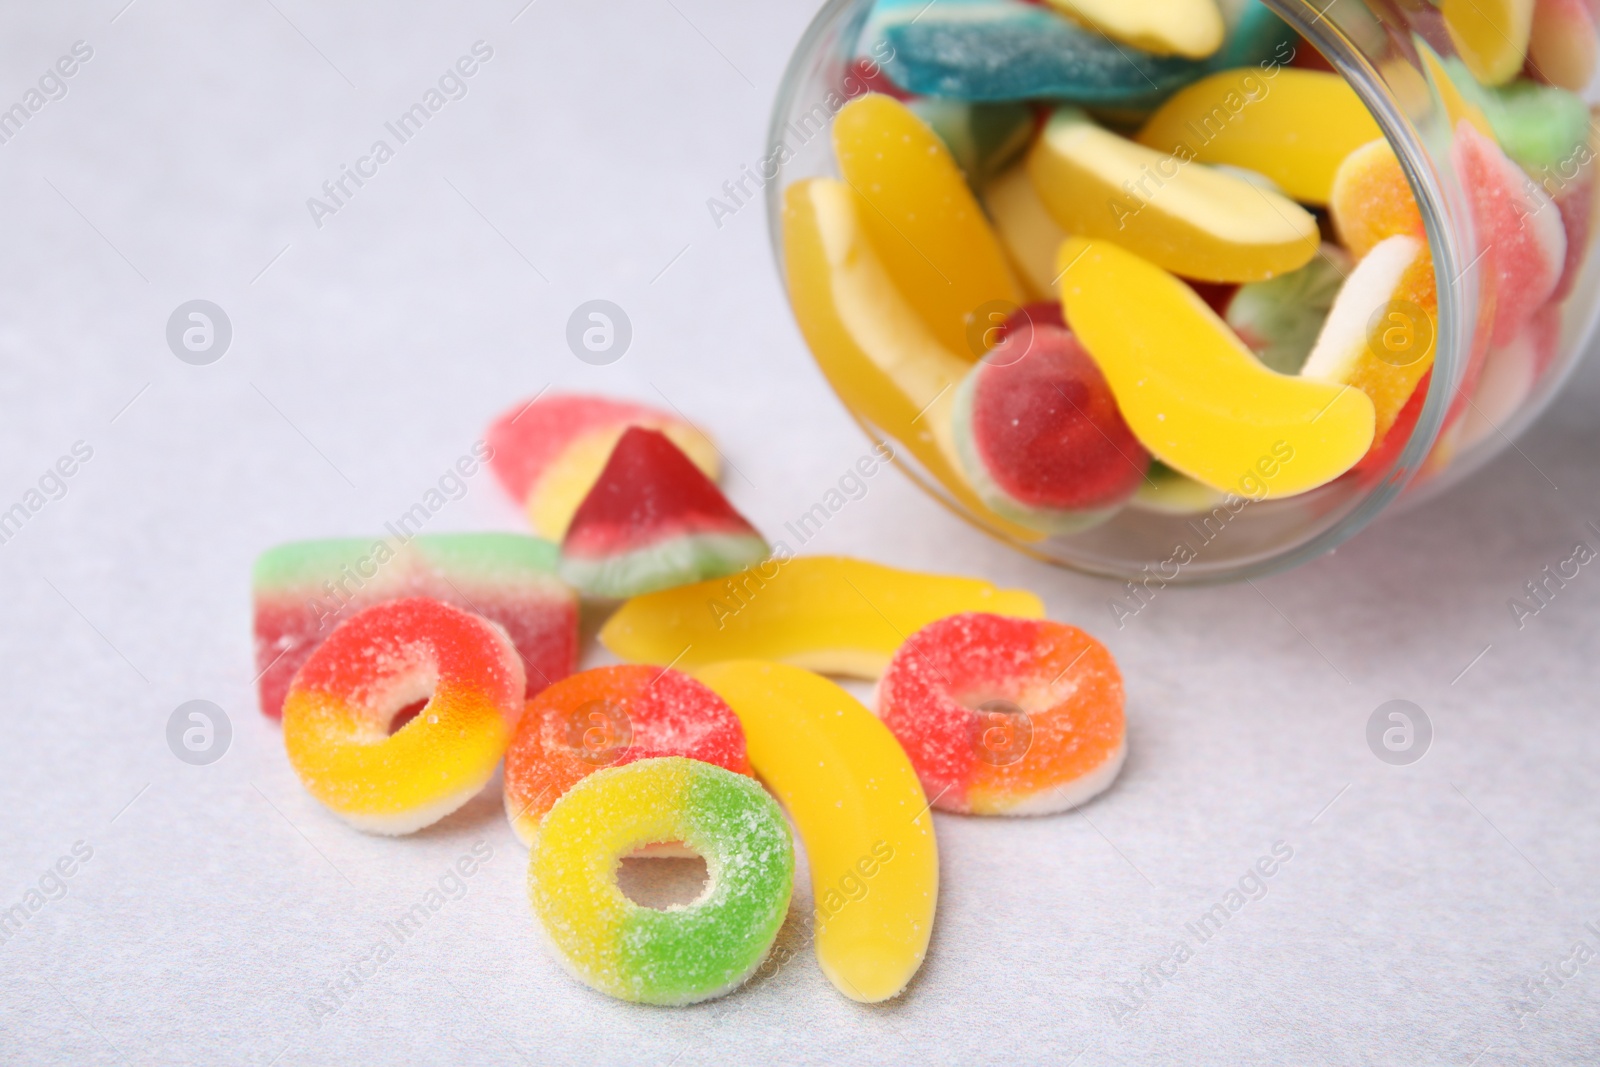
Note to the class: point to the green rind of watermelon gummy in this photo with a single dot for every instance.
(679, 560)
(310, 563)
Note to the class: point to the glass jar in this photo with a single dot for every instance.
(1475, 403)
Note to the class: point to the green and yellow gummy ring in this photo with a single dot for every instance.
(686, 953)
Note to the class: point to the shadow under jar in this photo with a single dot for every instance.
(1054, 127)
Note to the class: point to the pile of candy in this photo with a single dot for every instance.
(1093, 254)
(405, 669)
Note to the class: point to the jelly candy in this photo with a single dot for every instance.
(1371, 199)
(1457, 90)
(1561, 43)
(826, 613)
(928, 230)
(303, 589)
(547, 452)
(1027, 231)
(340, 715)
(1574, 198)
(1295, 126)
(1190, 28)
(869, 73)
(1040, 436)
(1006, 716)
(1517, 225)
(1279, 319)
(1013, 50)
(677, 955)
(653, 521)
(1182, 216)
(1379, 335)
(1509, 373)
(860, 813)
(1193, 394)
(876, 351)
(982, 138)
(606, 716)
(1491, 36)
(1540, 126)
(1385, 452)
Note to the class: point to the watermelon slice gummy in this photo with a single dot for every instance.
(548, 451)
(304, 589)
(654, 521)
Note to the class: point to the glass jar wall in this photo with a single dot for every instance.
(1195, 297)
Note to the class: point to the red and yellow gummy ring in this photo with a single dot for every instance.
(343, 700)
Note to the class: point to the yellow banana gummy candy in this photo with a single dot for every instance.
(861, 814)
(1295, 126)
(1176, 212)
(875, 350)
(921, 218)
(1191, 391)
(1190, 28)
(825, 613)
(1491, 36)
(1027, 230)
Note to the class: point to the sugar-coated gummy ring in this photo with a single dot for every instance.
(608, 716)
(1004, 716)
(683, 954)
(342, 701)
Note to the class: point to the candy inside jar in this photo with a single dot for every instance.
(1187, 289)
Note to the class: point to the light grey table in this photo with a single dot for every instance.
(369, 346)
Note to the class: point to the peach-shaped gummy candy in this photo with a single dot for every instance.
(1371, 199)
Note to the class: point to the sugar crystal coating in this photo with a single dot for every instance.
(609, 716)
(303, 589)
(345, 698)
(682, 954)
(1005, 716)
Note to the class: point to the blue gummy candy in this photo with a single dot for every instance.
(1255, 35)
(995, 50)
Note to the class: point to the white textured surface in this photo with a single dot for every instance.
(223, 898)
